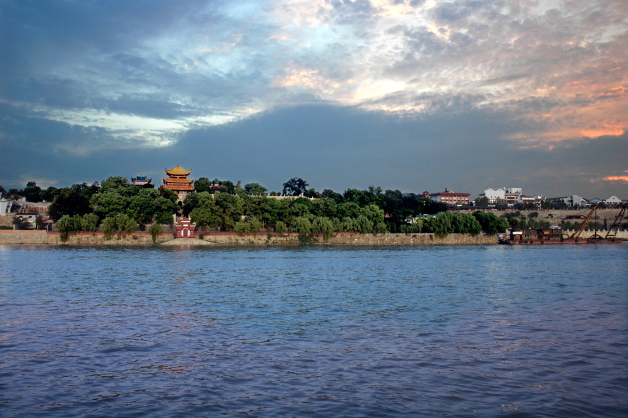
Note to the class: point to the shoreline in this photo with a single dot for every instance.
(232, 239)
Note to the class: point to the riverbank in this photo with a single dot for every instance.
(233, 239)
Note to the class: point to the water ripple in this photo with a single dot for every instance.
(462, 331)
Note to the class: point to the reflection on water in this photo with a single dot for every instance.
(463, 331)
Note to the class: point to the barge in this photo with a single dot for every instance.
(556, 235)
(529, 236)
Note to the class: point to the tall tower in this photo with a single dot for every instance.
(178, 181)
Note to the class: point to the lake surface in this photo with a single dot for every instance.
(314, 331)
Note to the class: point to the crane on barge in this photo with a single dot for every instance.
(611, 235)
(576, 235)
(614, 228)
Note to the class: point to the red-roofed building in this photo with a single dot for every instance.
(450, 197)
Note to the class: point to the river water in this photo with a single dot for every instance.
(314, 331)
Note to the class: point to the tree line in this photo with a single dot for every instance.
(117, 207)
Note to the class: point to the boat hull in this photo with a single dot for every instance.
(559, 242)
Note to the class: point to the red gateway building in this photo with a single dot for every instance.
(185, 228)
(178, 181)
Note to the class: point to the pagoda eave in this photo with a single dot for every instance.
(181, 188)
(183, 181)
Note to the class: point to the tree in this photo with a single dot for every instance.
(66, 225)
(349, 225)
(227, 187)
(2, 190)
(164, 209)
(142, 207)
(312, 193)
(302, 226)
(238, 188)
(109, 203)
(294, 187)
(255, 189)
(190, 203)
(254, 224)
(32, 192)
(14, 194)
(330, 194)
(168, 194)
(490, 223)
(85, 190)
(89, 222)
(229, 209)
(481, 201)
(203, 185)
(373, 213)
(49, 194)
(68, 202)
(242, 228)
(280, 227)
(323, 226)
(380, 228)
(155, 230)
(120, 224)
(119, 185)
(203, 217)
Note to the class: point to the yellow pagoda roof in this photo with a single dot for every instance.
(178, 171)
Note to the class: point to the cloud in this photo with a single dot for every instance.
(392, 84)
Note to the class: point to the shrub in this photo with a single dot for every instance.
(364, 225)
(254, 224)
(66, 225)
(119, 224)
(490, 223)
(323, 226)
(302, 225)
(109, 227)
(380, 228)
(348, 225)
(242, 228)
(89, 222)
(155, 230)
(280, 227)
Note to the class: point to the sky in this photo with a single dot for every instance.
(411, 95)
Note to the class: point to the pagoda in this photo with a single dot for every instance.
(178, 181)
(142, 181)
(215, 185)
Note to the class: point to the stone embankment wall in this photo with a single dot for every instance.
(7, 220)
(346, 239)
(81, 238)
(23, 237)
(232, 239)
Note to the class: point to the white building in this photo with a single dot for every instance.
(494, 195)
(510, 195)
(573, 200)
(5, 206)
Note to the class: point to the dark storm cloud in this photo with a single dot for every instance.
(338, 147)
